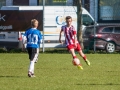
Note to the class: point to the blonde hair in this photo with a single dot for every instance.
(34, 23)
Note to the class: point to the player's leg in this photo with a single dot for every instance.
(31, 69)
(84, 57)
(82, 54)
(31, 52)
(30, 65)
(72, 51)
(37, 54)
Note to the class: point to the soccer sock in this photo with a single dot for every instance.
(31, 67)
(84, 57)
(74, 57)
(80, 64)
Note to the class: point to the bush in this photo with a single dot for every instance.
(55, 50)
(3, 50)
(14, 51)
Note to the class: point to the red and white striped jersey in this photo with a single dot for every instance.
(69, 33)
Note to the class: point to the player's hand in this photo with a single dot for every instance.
(61, 42)
(23, 49)
(75, 45)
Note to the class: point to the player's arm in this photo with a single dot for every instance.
(75, 38)
(24, 42)
(60, 36)
(40, 37)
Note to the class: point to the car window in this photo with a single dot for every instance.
(89, 31)
(108, 30)
(117, 30)
(87, 20)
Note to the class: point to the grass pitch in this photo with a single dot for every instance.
(56, 72)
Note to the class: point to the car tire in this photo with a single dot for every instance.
(110, 47)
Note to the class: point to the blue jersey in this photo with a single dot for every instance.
(33, 37)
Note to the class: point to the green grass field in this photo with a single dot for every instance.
(56, 72)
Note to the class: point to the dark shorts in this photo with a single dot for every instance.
(32, 52)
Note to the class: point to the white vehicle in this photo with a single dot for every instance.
(11, 39)
(54, 18)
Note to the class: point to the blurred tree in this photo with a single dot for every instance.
(79, 21)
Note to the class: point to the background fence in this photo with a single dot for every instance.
(104, 12)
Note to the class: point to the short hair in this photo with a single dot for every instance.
(68, 17)
(34, 22)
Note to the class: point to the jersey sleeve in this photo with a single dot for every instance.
(24, 39)
(25, 34)
(74, 31)
(39, 37)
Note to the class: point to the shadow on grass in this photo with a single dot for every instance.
(100, 84)
(11, 76)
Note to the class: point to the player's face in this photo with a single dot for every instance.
(36, 24)
(69, 21)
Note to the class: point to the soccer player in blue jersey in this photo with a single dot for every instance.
(32, 38)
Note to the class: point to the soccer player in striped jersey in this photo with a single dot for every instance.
(71, 41)
(32, 38)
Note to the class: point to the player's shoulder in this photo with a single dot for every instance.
(63, 27)
(28, 29)
(38, 31)
(73, 27)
